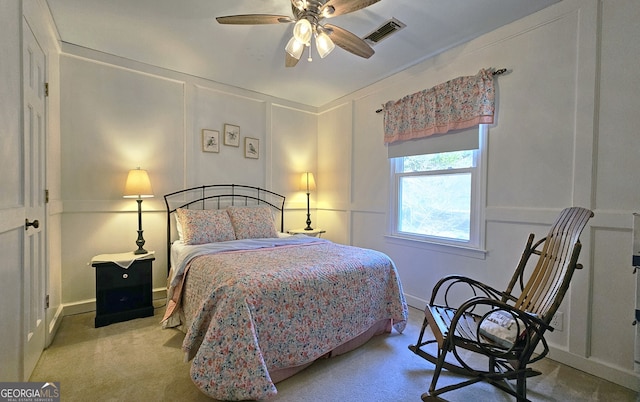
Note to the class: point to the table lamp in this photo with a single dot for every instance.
(138, 186)
(308, 184)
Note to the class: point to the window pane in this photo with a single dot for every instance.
(441, 161)
(436, 205)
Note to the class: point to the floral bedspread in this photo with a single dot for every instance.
(280, 307)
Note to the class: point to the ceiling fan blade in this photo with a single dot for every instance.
(349, 41)
(346, 6)
(254, 19)
(290, 61)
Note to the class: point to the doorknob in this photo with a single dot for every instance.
(35, 224)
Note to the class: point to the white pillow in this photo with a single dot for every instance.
(179, 227)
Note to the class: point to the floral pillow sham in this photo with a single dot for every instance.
(205, 226)
(252, 222)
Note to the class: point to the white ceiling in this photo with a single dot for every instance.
(183, 35)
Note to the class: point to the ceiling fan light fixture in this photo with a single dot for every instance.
(299, 4)
(294, 48)
(324, 44)
(308, 18)
(302, 31)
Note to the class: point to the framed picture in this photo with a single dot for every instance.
(251, 148)
(232, 135)
(210, 140)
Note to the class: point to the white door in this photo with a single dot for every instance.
(34, 274)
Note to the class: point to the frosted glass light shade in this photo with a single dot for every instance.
(299, 4)
(138, 185)
(295, 48)
(324, 44)
(302, 31)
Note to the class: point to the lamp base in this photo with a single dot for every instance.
(308, 223)
(140, 242)
(308, 215)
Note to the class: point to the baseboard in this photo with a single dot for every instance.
(89, 305)
(415, 301)
(159, 297)
(53, 323)
(626, 378)
(80, 307)
(616, 375)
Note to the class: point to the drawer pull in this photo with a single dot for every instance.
(125, 276)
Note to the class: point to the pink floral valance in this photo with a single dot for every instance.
(460, 103)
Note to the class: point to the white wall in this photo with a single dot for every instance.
(113, 120)
(615, 192)
(118, 115)
(565, 134)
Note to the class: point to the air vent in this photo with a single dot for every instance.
(386, 29)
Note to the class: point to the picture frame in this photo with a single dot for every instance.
(232, 135)
(210, 140)
(251, 148)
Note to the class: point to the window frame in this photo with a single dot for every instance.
(475, 247)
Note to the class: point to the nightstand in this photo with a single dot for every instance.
(313, 233)
(123, 293)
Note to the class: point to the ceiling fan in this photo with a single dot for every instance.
(307, 16)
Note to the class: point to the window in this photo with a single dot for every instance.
(437, 197)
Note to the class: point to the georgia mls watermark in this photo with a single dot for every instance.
(29, 392)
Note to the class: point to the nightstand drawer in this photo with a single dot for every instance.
(110, 275)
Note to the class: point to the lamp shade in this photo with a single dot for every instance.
(307, 182)
(138, 185)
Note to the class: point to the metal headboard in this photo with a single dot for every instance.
(219, 196)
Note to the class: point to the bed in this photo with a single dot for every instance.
(257, 305)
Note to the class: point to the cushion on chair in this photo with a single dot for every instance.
(501, 327)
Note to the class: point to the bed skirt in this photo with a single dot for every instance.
(379, 328)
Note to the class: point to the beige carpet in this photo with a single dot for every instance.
(138, 361)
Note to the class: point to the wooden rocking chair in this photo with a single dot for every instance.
(502, 327)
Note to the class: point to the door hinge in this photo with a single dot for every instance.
(46, 89)
(46, 301)
(46, 196)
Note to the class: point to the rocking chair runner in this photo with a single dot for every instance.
(502, 326)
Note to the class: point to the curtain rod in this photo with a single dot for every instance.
(497, 72)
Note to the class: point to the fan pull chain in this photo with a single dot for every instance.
(309, 59)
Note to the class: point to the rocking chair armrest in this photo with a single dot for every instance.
(495, 335)
(526, 317)
(451, 280)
